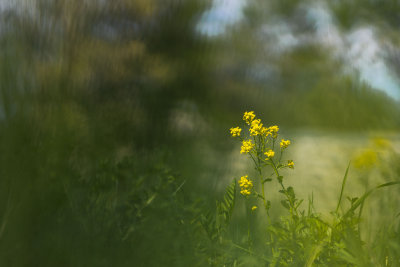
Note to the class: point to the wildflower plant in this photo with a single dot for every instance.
(302, 237)
(261, 146)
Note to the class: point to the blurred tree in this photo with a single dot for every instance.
(82, 83)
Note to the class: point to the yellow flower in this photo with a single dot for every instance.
(245, 192)
(247, 146)
(270, 154)
(253, 208)
(285, 143)
(235, 131)
(256, 127)
(274, 131)
(265, 131)
(290, 164)
(248, 117)
(366, 159)
(381, 142)
(245, 185)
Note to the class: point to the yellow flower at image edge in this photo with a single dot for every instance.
(253, 208)
(248, 117)
(235, 131)
(245, 185)
(285, 143)
(290, 164)
(247, 146)
(270, 154)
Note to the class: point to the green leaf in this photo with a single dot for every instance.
(290, 191)
(285, 204)
(268, 205)
(267, 180)
(228, 203)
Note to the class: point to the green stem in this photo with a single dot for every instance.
(292, 205)
(280, 157)
(248, 225)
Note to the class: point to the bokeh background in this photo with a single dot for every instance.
(115, 117)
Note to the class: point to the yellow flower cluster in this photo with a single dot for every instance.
(253, 208)
(245, 185)
(247, 146)
(290, 164)
(265, 131)
(285, 143)
(235, 131)
(270, 154)
(248, 117)
(274, 131)
(256, 127)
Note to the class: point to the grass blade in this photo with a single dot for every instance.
(362, 199)
(342, 189)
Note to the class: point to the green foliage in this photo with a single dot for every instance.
(215, 225)
(111, 200)
(299, 237)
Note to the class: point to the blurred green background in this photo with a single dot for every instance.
(115, 116)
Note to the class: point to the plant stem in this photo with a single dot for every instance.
(291, 203)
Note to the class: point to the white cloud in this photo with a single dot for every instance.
(359, 49)
(222, 14)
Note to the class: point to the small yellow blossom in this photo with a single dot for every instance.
(247, 146)
(274, 131)
(270, 154)
(256, 127)
(366, 159)
(248, 117)
(290, 164)
(253, 208)
(285, 143)
(245, 185)
(265, 131)
(245, 182)
(245, 192)
(381, 142)
(235, 131)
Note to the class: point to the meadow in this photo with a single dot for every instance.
(356, 231)
(122, 126)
